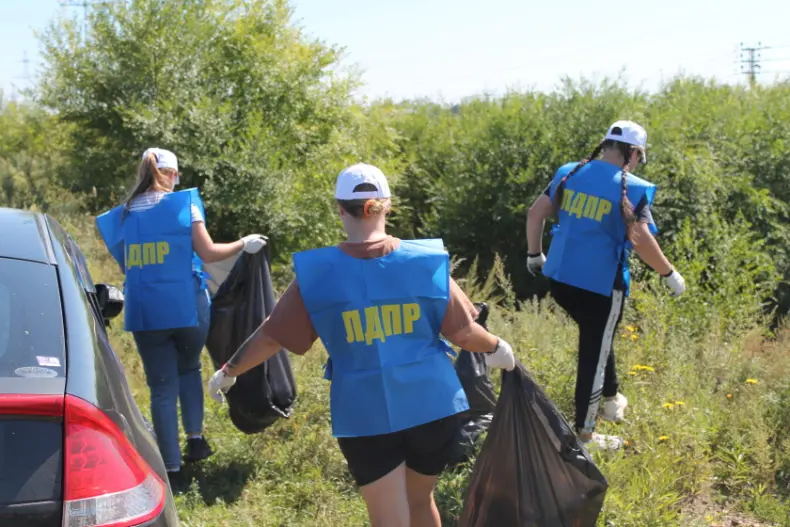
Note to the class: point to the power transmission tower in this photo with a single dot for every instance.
(750, 61)
(84, 5)
(25, 76)
(26, 63)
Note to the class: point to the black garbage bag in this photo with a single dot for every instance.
(473, 374)
(267, 392)
(532, 470)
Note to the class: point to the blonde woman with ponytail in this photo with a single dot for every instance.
(603, 213)
(158, 237)
(380, 306)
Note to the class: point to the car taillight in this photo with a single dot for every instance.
(106, 482)
(31, 405)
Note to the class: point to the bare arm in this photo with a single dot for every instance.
(288, 326)
(209, 251)
(474, 338)
(257, 349)
(540, 210)
(647, 248)
(459, 326)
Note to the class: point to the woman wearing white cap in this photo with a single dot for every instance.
(603, 212)
(380, 306)
(159, 239)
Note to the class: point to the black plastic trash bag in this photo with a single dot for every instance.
(473, 374)
(243, 301)
(532, 470)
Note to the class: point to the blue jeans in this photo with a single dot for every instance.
(171, 359)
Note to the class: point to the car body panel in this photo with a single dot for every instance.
(24, 236)
(93, 371)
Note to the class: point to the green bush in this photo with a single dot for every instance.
(255, 112)
(262, 121)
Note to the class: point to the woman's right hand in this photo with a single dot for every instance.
(219, 384)
(535, 263)
(253, 243)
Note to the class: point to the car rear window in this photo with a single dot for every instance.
(31, 321)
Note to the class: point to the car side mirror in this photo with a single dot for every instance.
(110, 301)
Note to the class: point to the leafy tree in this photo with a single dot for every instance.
(253, 109)
(32, 145)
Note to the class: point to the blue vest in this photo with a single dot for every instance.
(154, 249)
(590, 242)
(379, 320)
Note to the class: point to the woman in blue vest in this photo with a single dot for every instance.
(159, 239)
(379, 305)
(603, 213)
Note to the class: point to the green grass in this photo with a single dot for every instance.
(723, 452)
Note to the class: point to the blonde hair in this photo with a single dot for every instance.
(149, 177)
(363, 208)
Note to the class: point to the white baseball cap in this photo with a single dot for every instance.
(358, 174)
(164, 158)
(630, 133)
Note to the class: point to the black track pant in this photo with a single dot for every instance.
(597, 317)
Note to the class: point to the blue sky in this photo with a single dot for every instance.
(449, 49)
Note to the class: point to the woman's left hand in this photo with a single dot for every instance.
(501, 357)
(253, 243)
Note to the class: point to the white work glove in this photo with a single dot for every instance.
(535, 264)
(253, 243)
(502, 356)
(219, 384)
(675, 282)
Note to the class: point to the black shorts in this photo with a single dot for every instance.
(426, 449)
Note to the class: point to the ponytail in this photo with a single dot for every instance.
(149, 177)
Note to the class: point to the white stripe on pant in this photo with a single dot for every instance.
(606, 347)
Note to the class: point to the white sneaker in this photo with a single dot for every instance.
(603, 442)
(615, 409)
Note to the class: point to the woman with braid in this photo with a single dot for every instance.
(603, 213)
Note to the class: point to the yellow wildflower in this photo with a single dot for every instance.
(631, 373)
(632, 329)
(663, 438)
(680, 403)
(751, 381)
(634, 337)
(668, 406)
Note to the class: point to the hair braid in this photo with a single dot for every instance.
(626, 207)
(560, 190)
